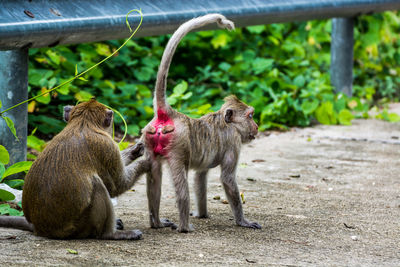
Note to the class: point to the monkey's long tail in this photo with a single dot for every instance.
(161, 82)
(16, 222)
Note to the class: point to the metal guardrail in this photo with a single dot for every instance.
(48, 23)
(27, 23)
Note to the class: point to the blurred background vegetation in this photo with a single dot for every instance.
(280, 69)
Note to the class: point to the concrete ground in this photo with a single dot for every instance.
(325, 196)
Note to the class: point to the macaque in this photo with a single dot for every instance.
(67, 191)
(200, 144)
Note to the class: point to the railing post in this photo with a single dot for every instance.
(342, 54)
(14, 89)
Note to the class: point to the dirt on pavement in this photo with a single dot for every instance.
(325, 196)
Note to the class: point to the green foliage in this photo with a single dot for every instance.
(18, 167)
(6, 196)
(22, 166)
(280, 69)
(5, 209)
(4, 156)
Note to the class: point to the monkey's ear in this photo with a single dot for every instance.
(67, 112)
(228, 115)
(109, 118)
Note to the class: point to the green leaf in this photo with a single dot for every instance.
(262, 64)
(76, 69)
(393, 117)
(1, 104)
(123, 145)
(220, 40)
(2, 170)
(14, 212)
(6, 196)
(309, 107)
(18, 167)
(187, 95)
(83, 96)
(4, 208)
(64, 90)
(256, 29)
(143, 91)
(4, 155)
(10, 125)
(299, 81)
(15, 183)
(72, 251)
(325, 113)
(103, 49)
(224, 66)
(36, 143)
(345, 117)
(53, 56)
(133, 129)
(180, 88)
(44, 99)
(144, 74)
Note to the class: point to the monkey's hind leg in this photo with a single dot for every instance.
(154, 179)
(200, 189)
(102, 217)
(228, 179)
(179, 174)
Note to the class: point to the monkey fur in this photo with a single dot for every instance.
(200, 144)
(68, 188)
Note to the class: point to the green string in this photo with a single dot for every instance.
(94, 66)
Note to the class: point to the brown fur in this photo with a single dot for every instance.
(68, 188)
(200, 144)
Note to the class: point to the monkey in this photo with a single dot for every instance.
(200, 144)
(67, 190)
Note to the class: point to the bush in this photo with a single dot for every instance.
(280, 69)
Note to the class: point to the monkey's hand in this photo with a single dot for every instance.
(137, 151)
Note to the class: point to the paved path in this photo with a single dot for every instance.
(325, 196)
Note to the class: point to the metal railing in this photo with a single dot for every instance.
(25, 24)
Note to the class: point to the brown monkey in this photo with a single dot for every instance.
(68, 188)
(204, 143)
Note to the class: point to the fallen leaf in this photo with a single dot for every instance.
(216, 197)
(72, 251)
(295, 176)
(349, 226)
(224, 201)
(251, 179)
(258, 160)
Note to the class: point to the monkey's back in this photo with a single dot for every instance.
(208, 140)
(58, 187)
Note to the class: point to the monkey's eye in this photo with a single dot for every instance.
(251, 115)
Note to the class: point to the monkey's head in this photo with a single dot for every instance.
(240, 116)
(89, 113)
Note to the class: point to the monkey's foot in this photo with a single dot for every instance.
(164, 223)
(245, 223)
(137, 150)
(188, 229)
(168, 223)
(199, 216)
(133, 235)
(119, 224)
(124, 235)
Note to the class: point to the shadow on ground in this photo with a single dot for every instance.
(328, 195)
